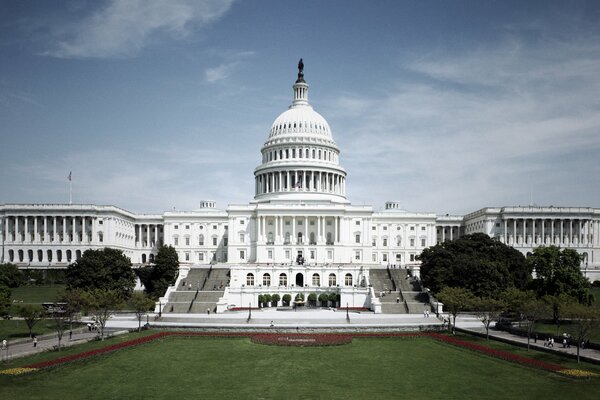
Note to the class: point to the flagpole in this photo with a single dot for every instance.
(70, 192)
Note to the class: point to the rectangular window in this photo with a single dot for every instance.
(412, 228)
(384, 257)
(422, 242)
(412, 242)
(214, 241)
(329, 254)
(100, 222)
(357, 255)
(385, 228)
(242, 222)
(357, 238)
(176, 227)
(187, 256)
(214, 227)
(225, 242)
(374, 258)
(242, 255)
(287, 254)
(200, 256)
(270, 254)
(422, 228)
(384, 242)
(187, 227)
(176, 241)
(412, 257)
(187, 241)
(241, 238)
(357, 222)
(312, 254)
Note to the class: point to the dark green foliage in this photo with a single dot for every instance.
(312, 297)
(475, 262)
(141, 304)
(107, 269)
(10, 276)
(558, 272)
(31, 314)
(323, 297)
(4, 300)
(287, 298)
(157, 278)
(275, 298)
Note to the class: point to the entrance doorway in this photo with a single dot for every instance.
(299, 280)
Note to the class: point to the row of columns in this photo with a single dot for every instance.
(279, 232)
(453, 232)
(147, 235)
(310, 153)
(300, 181)
(49, 229)
(560, 232)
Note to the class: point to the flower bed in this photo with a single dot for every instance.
(299, 339)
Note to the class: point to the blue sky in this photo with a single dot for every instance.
(444, 106)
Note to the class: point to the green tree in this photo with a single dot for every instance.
(60, 320)
(107, 269)
(586, 320)
(4, 300)
(488, 310)
(31, 314)
(323, 298)
(275, 299)
(157, 278)
(534, 310)
(456, 300)
(267, 299)
(287, 298)
(333, 298)
(475, 262)
(10, 276)
(102, 303)
(72, 302)
(558, 271)
(141, 304)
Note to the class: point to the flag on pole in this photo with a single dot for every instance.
(70, 177)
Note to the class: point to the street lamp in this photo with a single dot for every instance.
(347, 314)
(249, 312)
(159, 309)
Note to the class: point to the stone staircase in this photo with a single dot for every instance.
(415, 299)
(386, 291)
(199, 291)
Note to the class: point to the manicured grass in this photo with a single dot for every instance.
(565, 327)
(15, 328)
(595, 291)
(35, 294)
(215, 368)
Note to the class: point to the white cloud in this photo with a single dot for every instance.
(124, 27)
(479, 129)
(224, 70)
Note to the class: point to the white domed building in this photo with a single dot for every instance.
(298, 236)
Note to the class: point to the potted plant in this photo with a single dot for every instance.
(323, 298)
(275, 299)
(333, 297)
(287, 298)
(261, 300)
(312, 299)
(267, 299)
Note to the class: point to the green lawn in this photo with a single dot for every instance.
(223, 368)
(15, 328)
(36, 294)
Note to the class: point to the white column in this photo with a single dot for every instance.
(570, 232)
(83, 232)
(64, 228)
(505, 232)
(514, 231)
(533, 231)
(552, 230)
(543, 231)
(524, 231)
(305, 230)
(26, 229)
(73, 228)
(561, 241)
(293, 239)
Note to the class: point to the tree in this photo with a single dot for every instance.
(312, 299)
(275, 299)
(488, 310)
(287, 298)
(456, 300)
(558, 303)
(533, 310)
(324, 298)
(267, 299)
(4, 300)
(261, 300)
(558, 272)
(60, 319)
(157, 278)
(106, 269)
(31, 314)
(72, 302)
(141, 305)
(586, 320)
(102, 303)
(10, 275)
(333, 298)
(475, 262)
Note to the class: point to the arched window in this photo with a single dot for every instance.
(332, 280)
(266, 280)
(348, 280)
(78, 254)
(69, 256)
(250, 279)
(49, 254)
(299, 237)
(316, 280)
(20, 255)
(59, 255)
(283, 280)
(40, 255)
(201, 240)
(357, 237)
(143, 259)
(11, 255)
(100, 237)
(30, 255)
(151, 258)
(384, 242)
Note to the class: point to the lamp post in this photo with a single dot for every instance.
(159, 309)
(347, 314)
(249, 312)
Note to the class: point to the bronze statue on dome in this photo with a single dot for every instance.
(300, 67)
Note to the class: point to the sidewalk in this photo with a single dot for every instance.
(469, 324)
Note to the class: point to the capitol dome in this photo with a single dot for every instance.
(300, 159)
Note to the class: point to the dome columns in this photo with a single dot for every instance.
(290, 181)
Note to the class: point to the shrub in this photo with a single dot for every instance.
(299, 297)
(275, 299)
(287, 298)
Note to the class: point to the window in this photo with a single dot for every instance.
(357, 255)
(398, 241)
(348, 280)
(312, 254)
(316, 280)
(242, 222)
(176, 241)
(385, 228)
(287, 254)
(225, 241)
(282, 280)
(374, 257)
(332, 280)
(384, 242)
(187, 227)
(266, 280)
(412, 228)
(250, 279)
(357, 222)
(398, 258)
(270, 254)
(176, 227)
(385, 258)
(187, 240)
(422, 228)
(214, 227)
(374, 242)
(412, 257)
(100, 222)
(330, 254)
(100, 237)
(187, 256)
(241, 238)
(201, 240)
(357, 238)
(242, 255)
(373, 228)
(200, 256)
(422, 242)
(412, 242)
(214, 240)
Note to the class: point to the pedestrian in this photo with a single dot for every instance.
(398, 299)
(208, 311)
(564, 342)
(70, 335)
(427, 313)
(4, 344)
(551, 344)
(89, 327)
(272, 324)
(424, 313)
(545, 342)
(35, 341)
(190, 286)
(535, 338)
